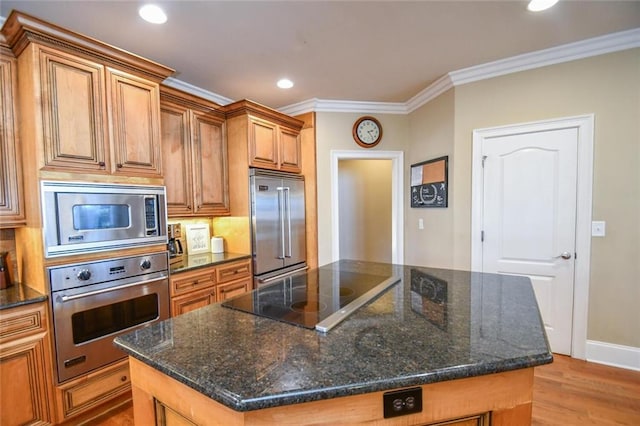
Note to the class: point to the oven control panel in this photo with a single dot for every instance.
(66, 277)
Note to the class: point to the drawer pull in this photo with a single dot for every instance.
(123, 378)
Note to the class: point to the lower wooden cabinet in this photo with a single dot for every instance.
(192, 301)
(91, 391)
(195, 289)
(25, 366)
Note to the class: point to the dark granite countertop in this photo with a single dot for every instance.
(188, 263)
(19, 294)
(434, 325)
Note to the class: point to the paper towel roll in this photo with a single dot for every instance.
(217, 245)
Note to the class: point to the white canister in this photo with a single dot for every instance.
(217, 245)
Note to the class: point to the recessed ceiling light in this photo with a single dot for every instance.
(152, 13)
(540, 5)
(285, 83)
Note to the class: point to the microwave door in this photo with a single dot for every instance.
(92, 218)
(266, 209)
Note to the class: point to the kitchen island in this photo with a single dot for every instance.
(466, 342)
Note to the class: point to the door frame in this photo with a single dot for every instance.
(397, 204)
(584, 191)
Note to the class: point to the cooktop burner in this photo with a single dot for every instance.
(319, 298)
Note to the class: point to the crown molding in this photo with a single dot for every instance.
(555, 55)
(197, 91)
(434, 90)
(334, 105)
(609, 43)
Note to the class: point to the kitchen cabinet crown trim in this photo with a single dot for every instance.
(247, 107)
(21, 29)
(168, 94)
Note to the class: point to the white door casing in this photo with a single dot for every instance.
(532, 199)
(397, 208)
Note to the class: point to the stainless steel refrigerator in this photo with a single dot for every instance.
(277, 224)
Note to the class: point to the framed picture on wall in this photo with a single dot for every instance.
(198, 238)
(429, 186)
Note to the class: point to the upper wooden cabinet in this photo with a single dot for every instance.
(272, 138)
(93, 108)
(11, 191)
(194, 155)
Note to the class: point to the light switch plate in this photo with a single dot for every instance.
(598, 228)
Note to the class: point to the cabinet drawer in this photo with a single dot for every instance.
(96, 388)
(228, 290)
(233, 271)
(192, 281)
(22, 321)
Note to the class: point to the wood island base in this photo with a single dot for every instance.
(501, 399)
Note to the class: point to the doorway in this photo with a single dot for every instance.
(396, 224)
(365, 220)
(531, 216)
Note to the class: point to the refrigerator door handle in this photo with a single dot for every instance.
(288, 207)
(280, 190)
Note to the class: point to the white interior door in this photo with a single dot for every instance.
(529, 219)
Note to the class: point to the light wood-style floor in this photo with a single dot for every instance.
(568, 392)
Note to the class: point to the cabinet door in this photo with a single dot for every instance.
(25, 366)
(263, 144)
(176, 159)
(290, 158)
(11, 194)
(192, 301)
(73, 102)
(210, 165)
(134, 120)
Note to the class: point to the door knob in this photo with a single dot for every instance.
(564, 255)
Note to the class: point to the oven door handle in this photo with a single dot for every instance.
(64, 298)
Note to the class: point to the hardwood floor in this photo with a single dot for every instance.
(568, 392)
(573, 392)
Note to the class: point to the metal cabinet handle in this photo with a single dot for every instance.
(564, 255)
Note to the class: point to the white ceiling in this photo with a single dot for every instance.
(374, 51)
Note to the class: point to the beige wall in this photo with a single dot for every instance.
(333, 132)
(431, 135)
(609, 87)
(364, 188)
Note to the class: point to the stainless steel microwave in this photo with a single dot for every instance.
(91, 217)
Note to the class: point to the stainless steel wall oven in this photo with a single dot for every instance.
(95, 301)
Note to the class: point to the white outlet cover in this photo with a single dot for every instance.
(598, 228)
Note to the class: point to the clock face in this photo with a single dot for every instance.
(367, 132)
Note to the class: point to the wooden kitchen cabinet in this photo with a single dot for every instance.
(192, 290)
(12, 212)
(194, 148)
(200, 287)
(272, 146)
(134, 117)
(88, 393)
(233, 279)
(271, 139)
(25, 366)
(192, 301)
(93, 108)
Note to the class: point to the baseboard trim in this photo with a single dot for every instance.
(614, 355)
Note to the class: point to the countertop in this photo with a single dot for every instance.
(202, 260)
(434, 325)
(18, 295)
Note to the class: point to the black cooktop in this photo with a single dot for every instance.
(319, 298)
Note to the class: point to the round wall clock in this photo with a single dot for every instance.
(367, 131)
